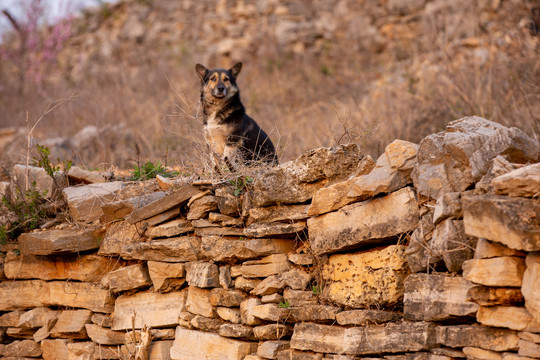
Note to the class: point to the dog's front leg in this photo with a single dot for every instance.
(230, 155)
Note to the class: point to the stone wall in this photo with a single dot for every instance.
(428, 252)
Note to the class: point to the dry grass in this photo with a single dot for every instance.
(412, 88)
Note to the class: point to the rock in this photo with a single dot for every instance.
(172, 200)
(51, 242)
(55, 349)
(513, 222)
(202, 274)
(369, 339)
(270, 349)
(499, 166)
(296, 279)
(300, 298)
(71, 324)
(21, 349)
(228, 203)
(264, 247)
(270, 285)
(104, 336)
(81, 175)
(162, 217)
(272, 299)
(364, 223)
(490, 296)
(151, 309)
(269, 312)
(291, 354)
(450, 242)
(49, 188)
(267, 266)
(198, 302)
(511, 317)
(35, 293)
(37, 317)
(166, 276)
(531, 285)
(277, 213)
(200, 208)
(312, 313)
(11, 319)
(528, 336)
(191, 344)
(87, 268)
(225, 278)
(499, 271)
(169, 229)
(128, 278)
(420, 255)
(488, 338)
(224, 220)
(90, 350)
(227, 298)
(274, 229)
(523, 182)
(477, 353)
(528, 349)
(297, 181)
(301, 259)
(486, 249)
(391, 173)
(117, 236)
(102, 320)
(220, 248)
(219, 231)
(437, 297)
(246, 284)
(206, 324)
(448, 206)
(228, 314)
(118, 210)
(236, 331)
(180, 249)
(366, 317)
(85, 202)
(366, 278)
(247, 311)
(272, 332)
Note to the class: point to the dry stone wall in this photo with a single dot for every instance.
(431, 251)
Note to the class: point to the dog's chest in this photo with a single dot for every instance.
(217, 133)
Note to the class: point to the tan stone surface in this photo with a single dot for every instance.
(191, 344)
(71, 324)
(531, 284)
(486, 249)
(366, 278)
(229, 314)
(35, 293)
(275, 229)
(511, 317)
(499, 271)
(272, 331)
(513, 222)
(520, 182)
(236, 331)
(247, 311)
(51, 242)
(198, 302)
(491, 296)
(200, 208)
(277, 213)
(226, 297)
(219, 231)
(477, 353)
(179, 249)
(151, 309)
(118, 235)
(55, 349)
(170, 228)
(450, 242)
(37, 317)
(85, 202)
(529, 349)
(267, 266)
(166, 276)
(366, 317)
(483, 337)
(104, 336)
(21, 349)
(364, 223)
(202, 274)
(312, 313)
(128, 278)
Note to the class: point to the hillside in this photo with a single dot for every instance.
(316, 73)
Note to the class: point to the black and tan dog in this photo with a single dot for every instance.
(229, 131)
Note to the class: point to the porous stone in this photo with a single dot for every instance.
(365, 223)
(369, 339)
(531, 284)
(151, 309)
(202, 274)
(366, 317)
(523, 182)
(166, 276)
(267, 266)
(500, 271)
(513, 222)
(191, 344)
(436, 297)
(492, 296)
(71, 324)
(51, 242)
(85, 202)
(368, 278)
(198, 302)
(227, 298)
(128, 278)
(484, 337)
(180, 249)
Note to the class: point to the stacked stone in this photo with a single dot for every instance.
(330, 256)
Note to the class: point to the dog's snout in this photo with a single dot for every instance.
(221, 88)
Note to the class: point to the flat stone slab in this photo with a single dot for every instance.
(192, 344)
(29, 294)
(436, 297)
(259, 230)
(85, 202)
(514, 222)
(178, 249)
(531, 284)
(520, 182)
(51, 242)
(484, 337)
(128, 278)
(277, 213)
(364, 223)
(151, 309)
(267, 266)
(500, 271)
(368, 339)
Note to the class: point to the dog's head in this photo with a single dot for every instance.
(218, 83)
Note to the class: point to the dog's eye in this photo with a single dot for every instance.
(213, 78)
(226, 79)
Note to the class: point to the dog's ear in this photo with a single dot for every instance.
(201, 70)
(235, 70)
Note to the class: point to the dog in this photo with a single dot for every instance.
(230, 133)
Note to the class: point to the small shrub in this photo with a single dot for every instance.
(46, 164)
(316, 290)
(240, 184)
(284, 305)
(150, 170)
